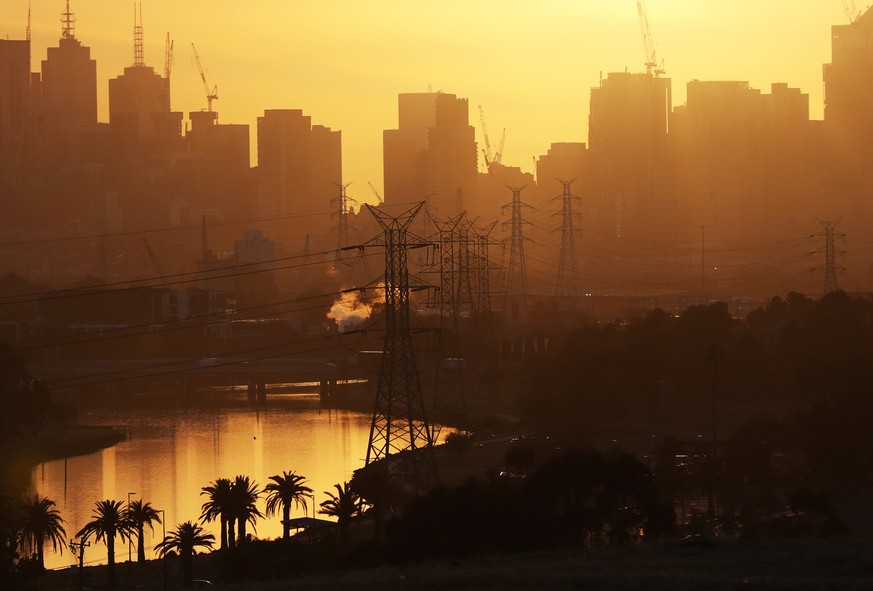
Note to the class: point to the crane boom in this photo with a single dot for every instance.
(375, 192)
(653, 66)
(851, 10)
(498, 156)
(168, 57)
(211, 95)
(487, 151)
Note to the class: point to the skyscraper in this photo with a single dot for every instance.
(627, 137)
(14, 105)
(68, 93)
(139, 102)
(299, 165)
(432, 154)
(849, 84)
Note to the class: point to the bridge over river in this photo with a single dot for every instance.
(179, 373)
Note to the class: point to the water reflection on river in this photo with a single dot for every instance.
(173, 453)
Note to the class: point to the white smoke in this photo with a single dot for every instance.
(353, 307)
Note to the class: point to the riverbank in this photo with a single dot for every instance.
(788, 564)
(52, 443)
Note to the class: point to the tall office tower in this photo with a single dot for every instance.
(848, 133)
(14, 106)
(718, 134)
(218, 168)
(432, 154)
(299, 167)
(139, 102)
(848, 89)
(790, 163)
(68, 97)
(741, 156)
(627, 132)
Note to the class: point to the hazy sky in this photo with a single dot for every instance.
(529, 64)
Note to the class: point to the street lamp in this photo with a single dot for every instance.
(164, 537)
(312, 496)
(78, 550)
(129, 540)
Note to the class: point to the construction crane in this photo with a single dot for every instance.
(495, 157)
(498, 155)
(653, 66)
(486, 152)
(168, 57)
(211, 95)
(852, 12)
(375, 192)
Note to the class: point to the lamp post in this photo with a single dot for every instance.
(163, 537)
(311, 526)
(129, 540)
(78, 550)
(312, 496)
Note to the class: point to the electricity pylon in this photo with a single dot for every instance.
(830, 267)
(568, 269)
(400, 435)
(483, 274)
(516, 274)
(448, 395)
(342, 203)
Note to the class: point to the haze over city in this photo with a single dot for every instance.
(345, 294)
(529, 64)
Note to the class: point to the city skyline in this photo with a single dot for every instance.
(468, 51)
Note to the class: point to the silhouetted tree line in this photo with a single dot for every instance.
(25, 401)
(575, 499)
(808, 363)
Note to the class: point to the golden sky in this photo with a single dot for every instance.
(530, 64)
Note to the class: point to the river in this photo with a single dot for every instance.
(174, 452)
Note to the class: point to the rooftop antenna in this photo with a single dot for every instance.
(68, 23)
(138, 61)
(28, 22)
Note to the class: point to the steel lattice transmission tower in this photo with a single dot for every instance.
(483, 274)
(568, 267)
(448, 394)
(516, 274)
(830, 281)
(400, 435)
(342, 203)
(446, 239)
(466, 257)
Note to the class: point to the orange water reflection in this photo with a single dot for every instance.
(173, 453)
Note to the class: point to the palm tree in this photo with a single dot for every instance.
(138, 515)
(218, 507)
(41, 522)
(244, 499)
(184, 540)
(285, 490)
(106, 522)
(344, 505)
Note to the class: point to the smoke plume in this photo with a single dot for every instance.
(352, 308)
